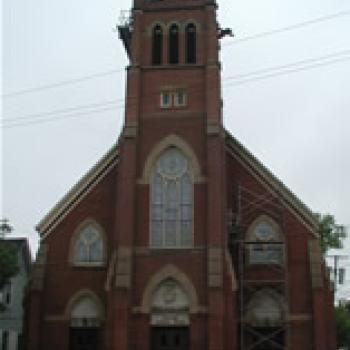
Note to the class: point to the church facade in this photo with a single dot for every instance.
(178, 238)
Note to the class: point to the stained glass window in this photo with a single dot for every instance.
(88, 247)
(171, 201)
(265, 246)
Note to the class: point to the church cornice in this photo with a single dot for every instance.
(270, 181)
(78, 192)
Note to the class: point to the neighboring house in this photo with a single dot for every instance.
(178, 238)
(11, 320)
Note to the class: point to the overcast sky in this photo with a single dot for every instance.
(286, 86)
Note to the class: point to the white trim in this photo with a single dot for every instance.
(79, 191)
(271, 183)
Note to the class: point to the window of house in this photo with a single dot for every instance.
(191, 43)
(8, 293)
(173, 44)
(157, 45)
(175, 98)
(171, 201)
(264, 245)
(88, 247)
(5, 340)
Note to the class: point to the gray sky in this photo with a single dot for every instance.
(295, 119)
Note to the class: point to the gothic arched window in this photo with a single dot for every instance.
(265, 245)
(157, 45)
(265, 314)
(88, 246)
(174, 44)
(191, 43)
(171, 201)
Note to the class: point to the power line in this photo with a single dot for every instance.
(287, 71)
(54, 118)
(63, 110)
(289, 28)
(114, 71)
(288, 65)
(240, 79)
(62, 83)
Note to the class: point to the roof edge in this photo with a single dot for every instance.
(270, 179)
(76, 192)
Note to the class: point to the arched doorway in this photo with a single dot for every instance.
(170, 321)
(84, 325)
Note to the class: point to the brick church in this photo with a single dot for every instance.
(178, 238)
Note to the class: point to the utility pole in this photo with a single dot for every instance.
(336, 258)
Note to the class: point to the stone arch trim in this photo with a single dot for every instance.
(176, 141)
(84, 293)
(150, 28)
(273, 294)
(169, 271)
(191, 21)
(86, 222)
(178, 23)
(268, 219)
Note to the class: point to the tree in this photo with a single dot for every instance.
(331, 233)
(342, 319)
(8, 257)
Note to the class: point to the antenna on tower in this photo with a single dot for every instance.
(125, 29)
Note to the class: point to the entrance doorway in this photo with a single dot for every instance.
(83, 339)
(170, 338)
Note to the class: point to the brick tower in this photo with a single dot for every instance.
(173, 107)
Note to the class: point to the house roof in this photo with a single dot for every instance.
(78, 192)
(269, 180)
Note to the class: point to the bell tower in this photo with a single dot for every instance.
(170, 198)
(174, 66)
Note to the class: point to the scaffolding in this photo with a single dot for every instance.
(260, 279)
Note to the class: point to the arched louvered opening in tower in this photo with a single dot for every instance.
(174, 44)
(191, 43)
(157, 45)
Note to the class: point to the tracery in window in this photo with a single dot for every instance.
(265, 309)
(264, 244)
(88, 247)
(171, 201)
(85, 313)
(157, 45)
(191, 43)
(265, 315)
(173, 44)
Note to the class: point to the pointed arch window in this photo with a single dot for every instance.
(191, 43)
(265, 245)
(171, 201)
(88, 246)
(157, 45)
(174, 44)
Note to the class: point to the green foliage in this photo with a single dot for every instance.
(342, 318)
(331, 234)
